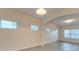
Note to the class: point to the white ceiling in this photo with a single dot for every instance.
(61, 20)
(51, 14)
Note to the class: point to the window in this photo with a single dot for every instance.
(47, 29)
(7, 24)
(67, 33)
(56, 30)
(34, 27)
(73, 34)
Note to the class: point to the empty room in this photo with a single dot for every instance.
(39, 29)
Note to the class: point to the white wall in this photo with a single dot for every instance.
(61, 38)
(22, 37)
(52, 36)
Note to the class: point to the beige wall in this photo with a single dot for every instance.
(62, 34)
(52, 36)
(22, 37)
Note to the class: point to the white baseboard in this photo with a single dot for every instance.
(27, 47)
(50, 42)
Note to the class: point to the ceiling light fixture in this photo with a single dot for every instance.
(69, 21)
(41, 11)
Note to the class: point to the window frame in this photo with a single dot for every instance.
(32, 29)
(10, 26)
(72, 32)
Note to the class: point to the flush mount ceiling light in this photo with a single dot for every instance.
(41, 11)
(69, 21)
